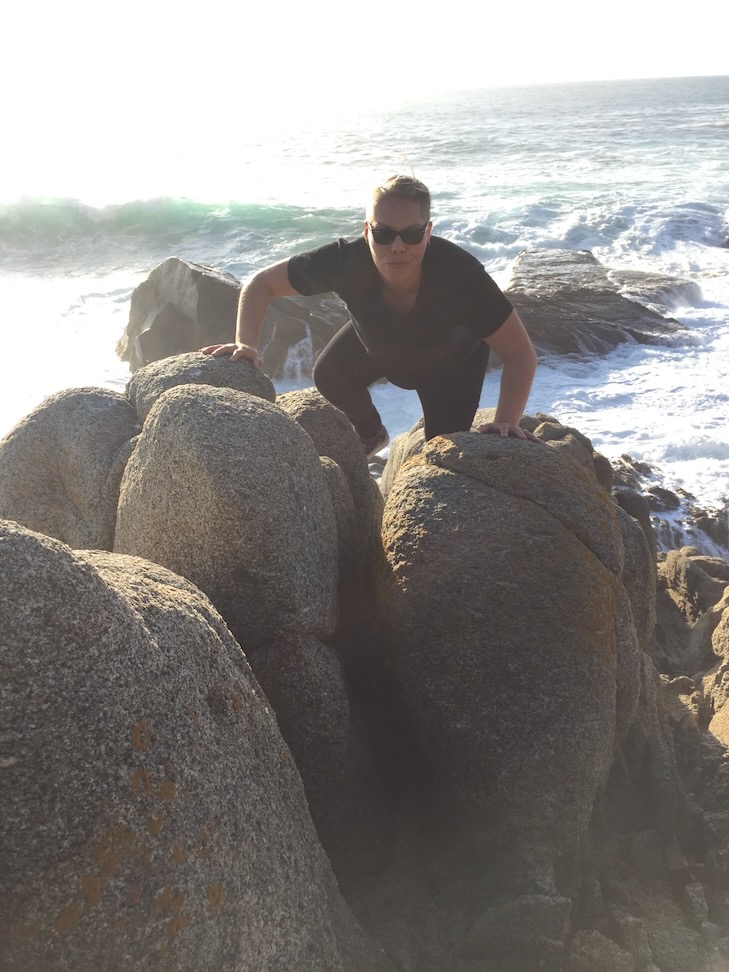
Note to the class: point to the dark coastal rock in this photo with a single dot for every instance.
(180, 307)
(531, 919)
(636, 505)
(184, 306)
(295, 331)
(570, 305)
(675, 516)
(61, 465)
(655, 290)
(593, 952)
(148, 383)
(152, 815)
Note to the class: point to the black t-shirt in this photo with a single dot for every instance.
(458, 303)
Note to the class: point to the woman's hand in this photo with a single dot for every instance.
(506, 429)
(236, 352)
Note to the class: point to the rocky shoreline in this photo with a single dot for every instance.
(262, 712)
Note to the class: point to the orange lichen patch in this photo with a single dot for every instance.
(155, 824)
(215, 897)
(141, 783)
(69, 918)
(177, 924)
(142, 735)
(179, 902)
(91, 888)
(24, 933)
(119, 845)
(163, 900)
(179, 854)
(167, 790)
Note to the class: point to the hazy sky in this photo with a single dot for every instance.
(82, 73)
(82, 57)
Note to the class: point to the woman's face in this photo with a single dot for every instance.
(398, 263)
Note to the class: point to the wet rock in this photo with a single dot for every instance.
(570, 305)
(183, 306)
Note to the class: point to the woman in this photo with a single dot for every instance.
(424, 315)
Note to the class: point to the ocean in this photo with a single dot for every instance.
(635, 171)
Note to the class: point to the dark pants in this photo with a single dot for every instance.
(344, 371)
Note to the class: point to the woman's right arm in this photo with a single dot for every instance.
(255, 296)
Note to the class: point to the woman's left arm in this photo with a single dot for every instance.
(513, 346)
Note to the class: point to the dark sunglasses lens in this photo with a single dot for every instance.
(412, 235)
(384, 235)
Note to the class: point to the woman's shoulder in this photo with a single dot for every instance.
(443, 254)
(343, 266)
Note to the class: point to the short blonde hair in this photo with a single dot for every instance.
(402, 187)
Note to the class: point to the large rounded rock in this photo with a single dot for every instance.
(61, 465)
(228, 491)
(147, 384)
(502, 614)
(151, 815)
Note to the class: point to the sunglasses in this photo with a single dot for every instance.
(385, 235)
